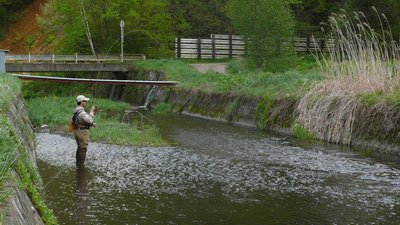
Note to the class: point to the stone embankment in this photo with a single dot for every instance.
(19, 208)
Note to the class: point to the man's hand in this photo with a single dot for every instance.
(93, 110)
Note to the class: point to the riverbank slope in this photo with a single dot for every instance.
(284, 102)
(23, 202)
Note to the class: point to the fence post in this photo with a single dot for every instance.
(179, 51)
(213, 45)
(230, 46)
(52, 58)
(198, 48)
(245, 41)
(29, 58)
(3, 60)
(76, 58)
(322, 44)
(98, 58)
(308, 44)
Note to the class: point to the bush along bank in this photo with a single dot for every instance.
(22, 201)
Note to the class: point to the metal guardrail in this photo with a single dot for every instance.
(11, 58)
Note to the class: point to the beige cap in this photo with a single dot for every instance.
(81, 98)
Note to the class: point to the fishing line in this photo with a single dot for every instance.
(109, 49)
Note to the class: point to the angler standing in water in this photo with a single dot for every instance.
(81, 122)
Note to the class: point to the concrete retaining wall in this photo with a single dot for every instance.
(374, 128)
(19, 208)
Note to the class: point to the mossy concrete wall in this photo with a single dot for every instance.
(19, 208)
(225, 107)
(373, 127)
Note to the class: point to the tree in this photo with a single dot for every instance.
(147, 26)
(309, 14)
(265, 25)
(7, 10)
(390, 8)
(195, 18)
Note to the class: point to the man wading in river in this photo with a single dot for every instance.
(82, 122)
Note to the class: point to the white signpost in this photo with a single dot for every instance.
(122, 24)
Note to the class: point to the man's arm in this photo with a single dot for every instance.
(87, 118)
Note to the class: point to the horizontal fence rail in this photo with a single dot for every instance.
(228, 46)
(11, 58)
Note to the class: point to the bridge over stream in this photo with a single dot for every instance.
(75, 63)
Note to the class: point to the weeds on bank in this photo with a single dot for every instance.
(28, 175)
(263, 112)
(57, 111)
(12, 153)
(164, 108)
(9, 87)
(362, 63)
(302, 134)
(7, 154)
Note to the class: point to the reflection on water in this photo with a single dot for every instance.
(218, 174)
(81, 201)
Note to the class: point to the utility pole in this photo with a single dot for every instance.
(122, 24)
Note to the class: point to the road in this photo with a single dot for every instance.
(214, 67)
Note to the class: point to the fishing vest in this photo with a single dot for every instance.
(75, 121)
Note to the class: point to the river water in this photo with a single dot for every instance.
(217, 174)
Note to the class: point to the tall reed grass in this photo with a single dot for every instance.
(361, 61)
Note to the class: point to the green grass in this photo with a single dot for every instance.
(35, 89)
(9, 87)
(57, 112)
(10, 145)
(239, 80)
(7, 154)
(164, 108)
(263, 112)
(302, 134)
(31, 182)
(390, 97)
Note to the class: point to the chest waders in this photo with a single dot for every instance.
(82, 140)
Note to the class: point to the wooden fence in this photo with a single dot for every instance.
(229, 46)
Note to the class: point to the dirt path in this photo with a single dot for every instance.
(213, 67)
(24, 35)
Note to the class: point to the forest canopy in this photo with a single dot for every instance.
(152, 25)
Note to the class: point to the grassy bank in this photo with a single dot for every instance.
(343, 102)
(8, 88)
(291, 84)
(57, 112)
(13, 155)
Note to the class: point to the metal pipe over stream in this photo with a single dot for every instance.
(97, 81)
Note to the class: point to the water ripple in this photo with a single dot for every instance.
(267, 167)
